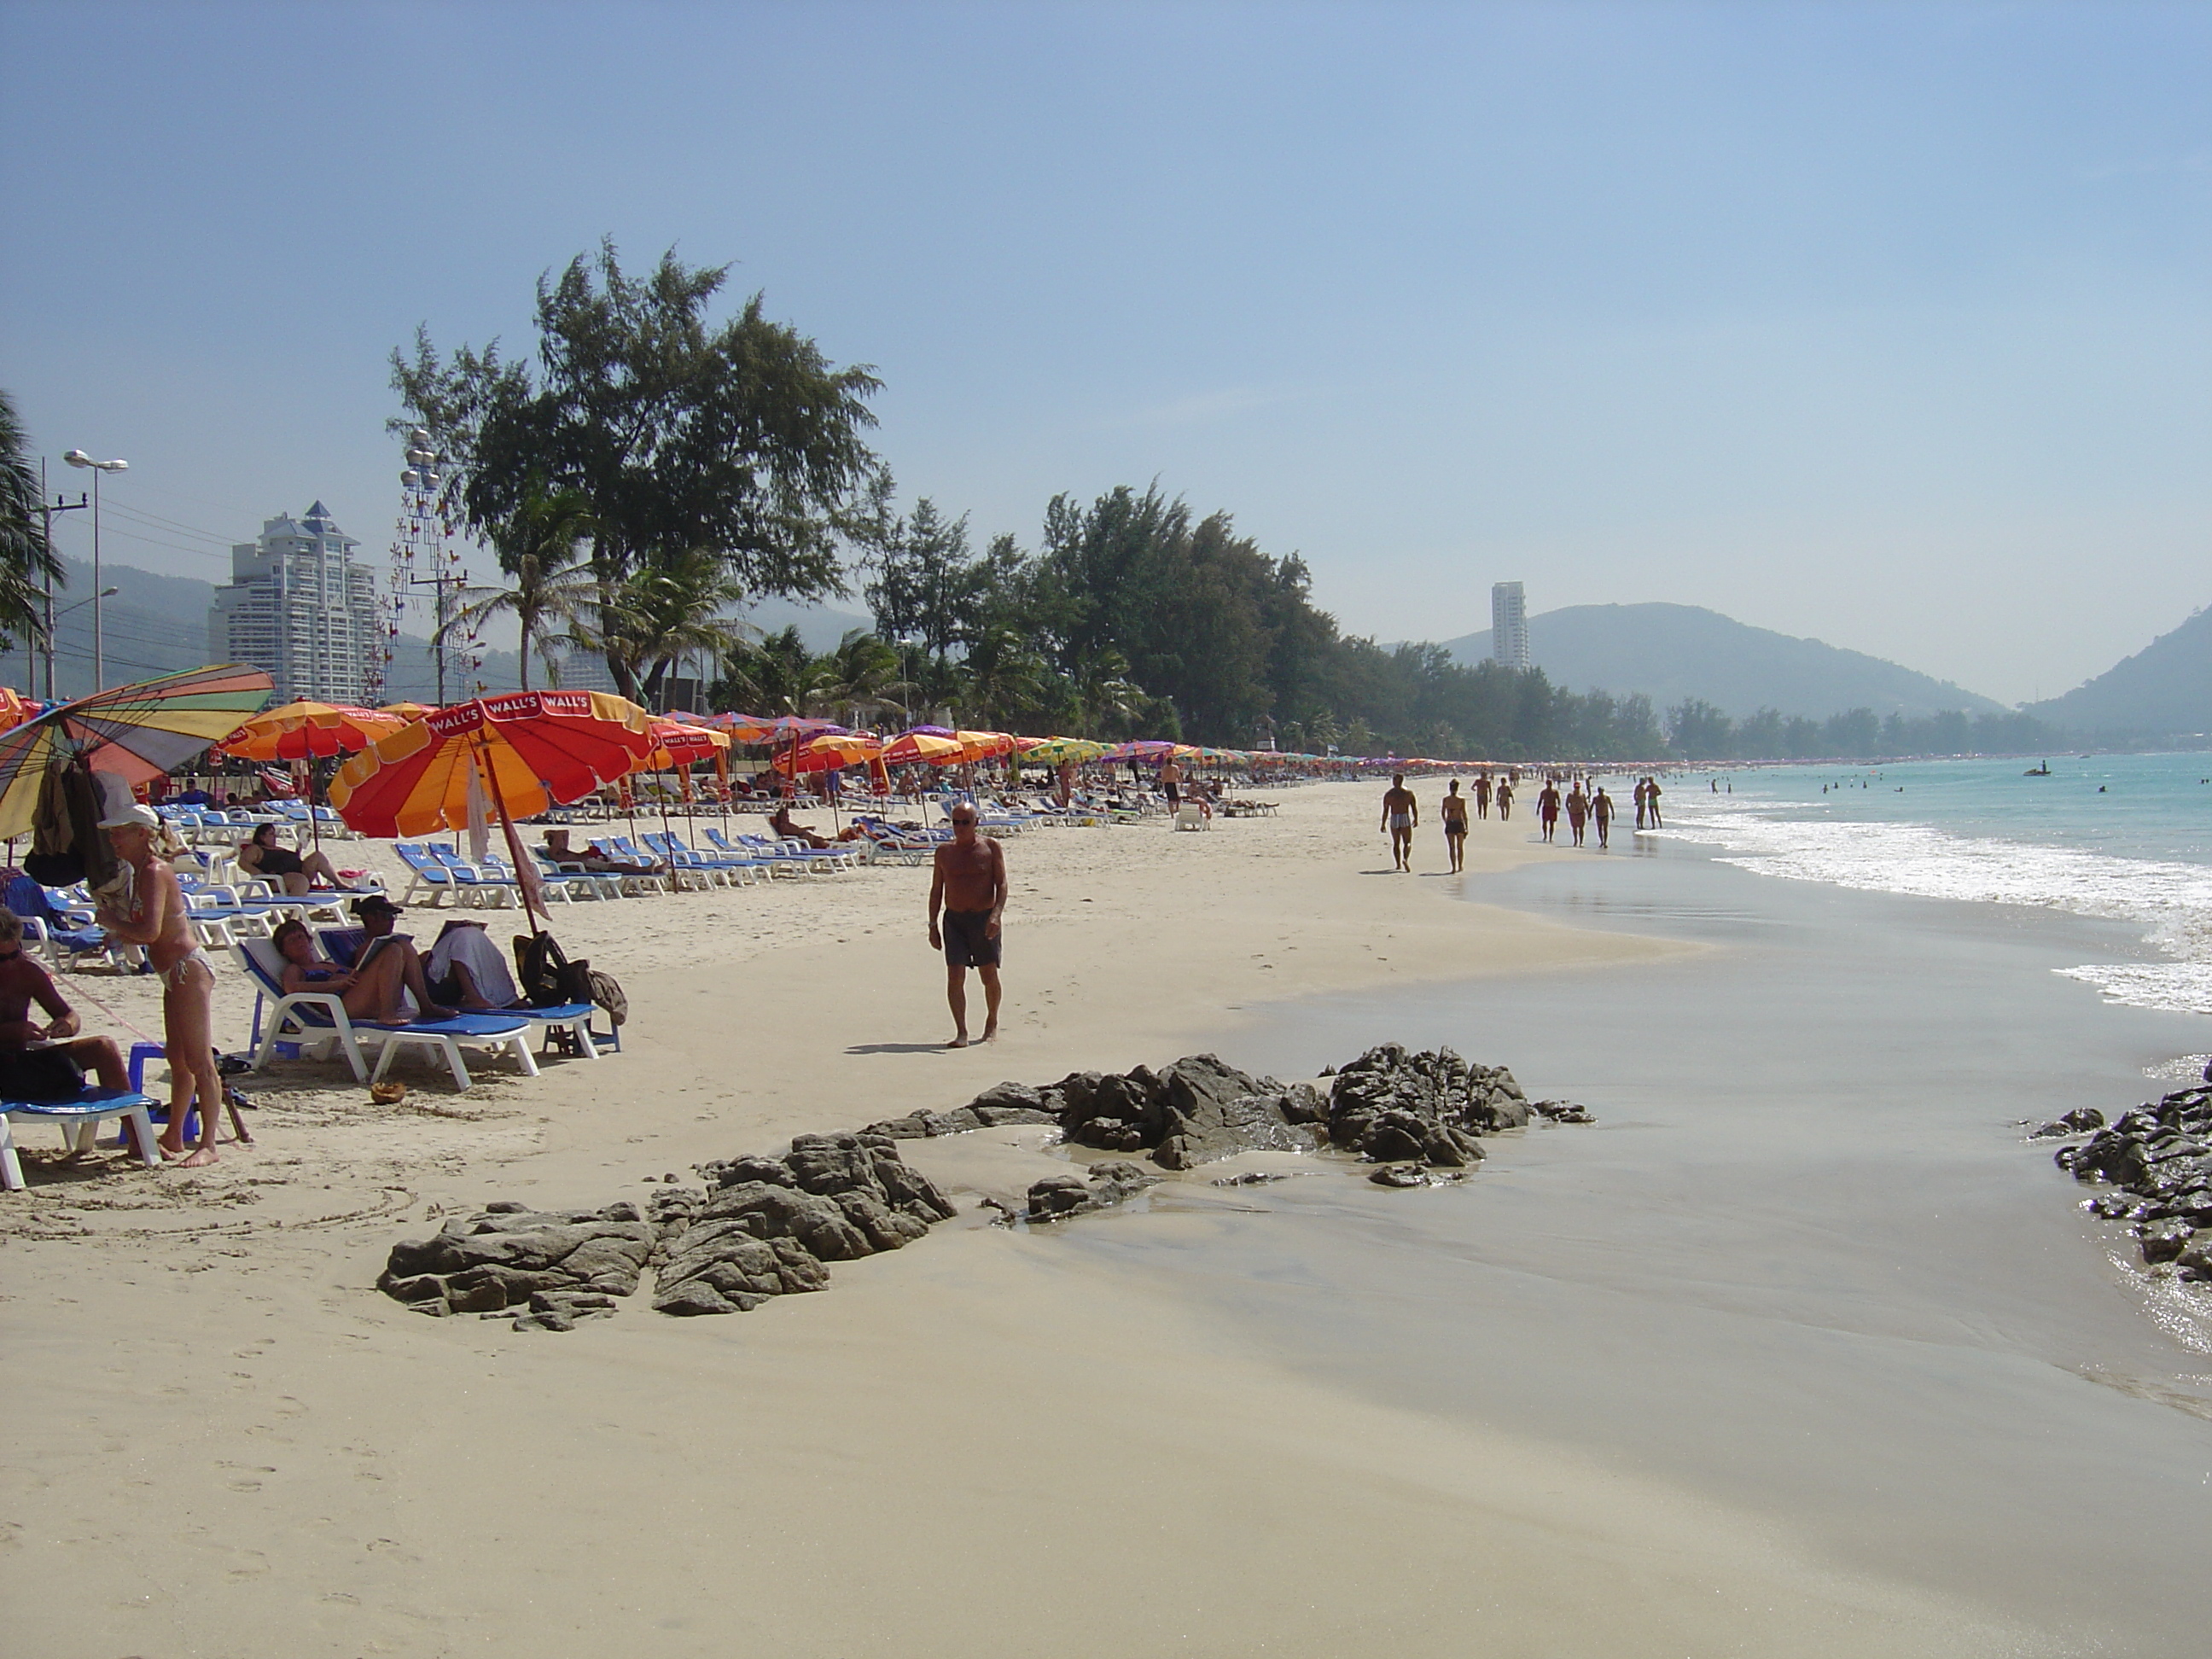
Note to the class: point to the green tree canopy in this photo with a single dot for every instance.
(737, 442)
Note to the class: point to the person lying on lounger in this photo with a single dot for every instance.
(258, 854)
(387, 970)
(785, 825)
(592, 860)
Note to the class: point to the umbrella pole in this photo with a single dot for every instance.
(531, 910)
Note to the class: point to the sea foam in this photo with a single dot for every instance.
(2172, 901)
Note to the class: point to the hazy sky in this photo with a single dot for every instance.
(1888, 325)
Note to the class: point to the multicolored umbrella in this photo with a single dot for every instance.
(136, 732)
(530, 750)
(305, 731)
(15, 708)
(934, 748)
(407, 711)
(982, 746)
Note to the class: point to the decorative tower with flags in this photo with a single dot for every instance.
(424, 555)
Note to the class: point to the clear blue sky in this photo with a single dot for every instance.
(1889, 325)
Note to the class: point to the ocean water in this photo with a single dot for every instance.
(2125, 838)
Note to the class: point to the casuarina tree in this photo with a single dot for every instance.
(737, 442)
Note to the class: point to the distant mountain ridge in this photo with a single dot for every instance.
(1671, 652)
(2164, 690)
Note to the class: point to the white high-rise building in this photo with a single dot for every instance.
(298, 605)
(1509, 625)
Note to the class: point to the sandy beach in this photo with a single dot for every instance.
(229, 1443)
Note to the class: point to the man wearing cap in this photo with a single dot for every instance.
(152, 914)
(969, 882)
(376, 915)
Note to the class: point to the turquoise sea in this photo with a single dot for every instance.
(2125, 838)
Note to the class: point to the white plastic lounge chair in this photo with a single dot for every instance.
(320, 1018)
(80, 1119)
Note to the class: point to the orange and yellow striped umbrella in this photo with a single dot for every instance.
(531, 750)
(407, 711)
(302, 731)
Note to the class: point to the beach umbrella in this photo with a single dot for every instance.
(1053, 750)
(301, 731)
(530, 750)
(832, 751)
(15, 707)
(1142, 749)
(680, 744)
(136, 732)
(983, 745)
(741, 728)
(934, 748)
(406, 711)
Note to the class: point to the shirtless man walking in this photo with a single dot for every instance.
(968, 882)
(157, 921)
(1401, 814)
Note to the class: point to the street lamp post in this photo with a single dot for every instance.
(78, 458)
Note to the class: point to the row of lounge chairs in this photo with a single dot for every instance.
(437, 870)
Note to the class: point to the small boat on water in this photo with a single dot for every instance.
(2042, 771)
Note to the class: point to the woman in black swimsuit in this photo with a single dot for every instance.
(260, 855)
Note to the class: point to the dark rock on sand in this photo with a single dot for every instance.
(1413, 1175)
(505, 1254)
(2080, 1121)
(1057, 1197)
(2158, 1160)
(1393, 1106)
(1561, 1111)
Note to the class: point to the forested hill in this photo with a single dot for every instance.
(2164, 690)
(1676, 653)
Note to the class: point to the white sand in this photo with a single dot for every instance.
(227, 1442)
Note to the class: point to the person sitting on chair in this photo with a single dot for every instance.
(258, 854)
(790, 828)
(387, 971)
(22, 982)
(466, 968)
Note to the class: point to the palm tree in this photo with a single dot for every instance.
(541, 547)
(25, 558)
(767, 678)
(860, 677)
(663, 612)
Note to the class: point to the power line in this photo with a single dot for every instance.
(159, 521)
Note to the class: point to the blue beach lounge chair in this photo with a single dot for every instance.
(80, 1119)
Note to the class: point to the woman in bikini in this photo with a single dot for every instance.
(155, 918)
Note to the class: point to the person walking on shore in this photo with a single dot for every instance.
(1454, 811)
(968, 883)
(1504, 800)
(1601, 815)
(1577, 811)
(1171, 782)
(1401, 814)
(1638, 793)
(1547, 809)
(155, 917)
(1482, 796)
(1651, 801)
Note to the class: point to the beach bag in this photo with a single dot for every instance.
(39, 1074)
(549, 979)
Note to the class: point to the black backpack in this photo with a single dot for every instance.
(549, 979)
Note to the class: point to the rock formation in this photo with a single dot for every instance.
(2157, 1160)
(768, 1226)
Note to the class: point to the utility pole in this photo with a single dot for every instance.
(438, 635)
(46, 511)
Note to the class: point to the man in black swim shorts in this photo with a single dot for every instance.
(968, 882)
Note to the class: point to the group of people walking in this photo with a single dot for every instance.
(1585, 805)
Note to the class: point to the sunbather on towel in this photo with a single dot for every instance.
(387, 971)
(466, 967)
(23, 983)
